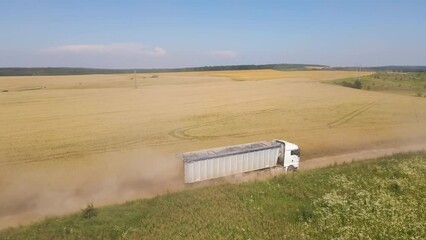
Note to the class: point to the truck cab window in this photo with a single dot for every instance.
(296, 152)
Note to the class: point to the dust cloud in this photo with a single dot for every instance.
(51, 190)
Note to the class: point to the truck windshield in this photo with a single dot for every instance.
(295, 152)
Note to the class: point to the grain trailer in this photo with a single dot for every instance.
(230, 160)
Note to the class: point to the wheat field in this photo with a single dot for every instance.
(63, 132)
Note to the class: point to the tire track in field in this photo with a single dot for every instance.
(182, 133)
(110, 147)
(346, 118)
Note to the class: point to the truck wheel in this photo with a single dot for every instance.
(290, 168)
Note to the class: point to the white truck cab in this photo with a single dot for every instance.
(289, 156)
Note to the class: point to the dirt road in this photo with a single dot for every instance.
(120, 181)
(358, 156)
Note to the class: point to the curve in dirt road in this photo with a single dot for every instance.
(358, 156)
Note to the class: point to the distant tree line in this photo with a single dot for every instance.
(15, 71)
(84, 71)
(384, 69)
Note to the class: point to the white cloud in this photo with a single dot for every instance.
(117, 49)
(223, 54)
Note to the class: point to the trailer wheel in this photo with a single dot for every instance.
(291, 168)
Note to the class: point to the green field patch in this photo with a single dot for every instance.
(406, 83)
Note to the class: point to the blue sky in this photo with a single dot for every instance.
(157, 34)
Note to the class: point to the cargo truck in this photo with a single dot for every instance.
(220, 162)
